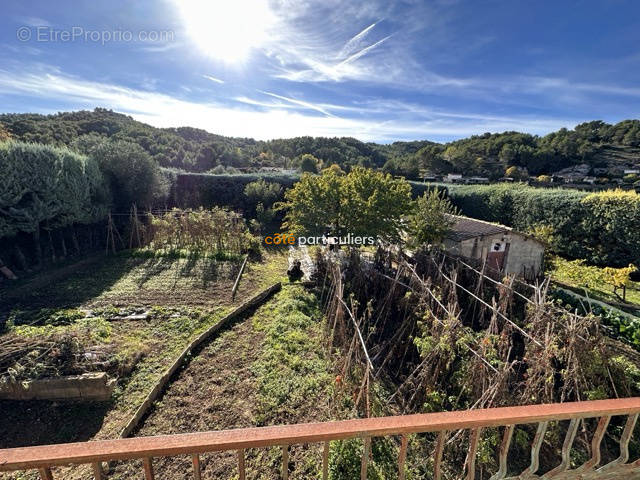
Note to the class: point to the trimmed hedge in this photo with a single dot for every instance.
(48, 187)
(603, 227)
(193, 190)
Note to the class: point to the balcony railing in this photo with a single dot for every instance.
(96, 453)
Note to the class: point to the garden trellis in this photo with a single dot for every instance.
(215, 231)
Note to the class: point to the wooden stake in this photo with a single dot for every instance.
(325, 461)
(402, 457)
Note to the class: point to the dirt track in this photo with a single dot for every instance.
(219, 390)
(214, 392)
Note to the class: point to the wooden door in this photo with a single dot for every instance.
(497, 254)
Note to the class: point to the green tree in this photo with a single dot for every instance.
(264, 216)
(516, 173)
(374, 204)
(363, 202)
(431, 219)
(507, 154)
(133, 175)
(261, 196)
(314, 203)
(406, 167)
(309, 163)
(459, 157)
(261, 191)
(430, 158)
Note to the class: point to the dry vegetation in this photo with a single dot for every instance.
(430, 334)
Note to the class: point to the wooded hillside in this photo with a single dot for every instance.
(194, 150)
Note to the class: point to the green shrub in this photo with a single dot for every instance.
(263, 192)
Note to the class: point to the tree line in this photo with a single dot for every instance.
(195, 150)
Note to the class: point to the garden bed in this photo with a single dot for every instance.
(140, 311)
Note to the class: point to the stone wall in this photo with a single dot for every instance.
(95, 387)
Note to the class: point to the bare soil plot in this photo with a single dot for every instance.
(180, 300)
(268, 369)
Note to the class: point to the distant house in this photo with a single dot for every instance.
(453, 178)
(590, 180)
(478, 180)
(574, 174)
(630, 171)
(500, 247)
(572, 177)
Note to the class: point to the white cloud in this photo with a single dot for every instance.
(300, 103)
(360, 53)
(355, 42)
(541, 84)
(213, 79)
(264, 120)
(34, 22)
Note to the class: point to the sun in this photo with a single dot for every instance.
(226, 30)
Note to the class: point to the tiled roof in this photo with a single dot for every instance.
(466, 228)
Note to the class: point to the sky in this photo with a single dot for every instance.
(377, 70)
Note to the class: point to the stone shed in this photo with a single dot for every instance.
(502, 248)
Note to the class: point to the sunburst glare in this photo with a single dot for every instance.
(227, 30)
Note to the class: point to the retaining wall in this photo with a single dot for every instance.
(206, 335)
(95, 387)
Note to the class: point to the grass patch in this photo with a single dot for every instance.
(167, 333)
(296, 381)
(271, 269)
(292, 369)
(589, 279)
